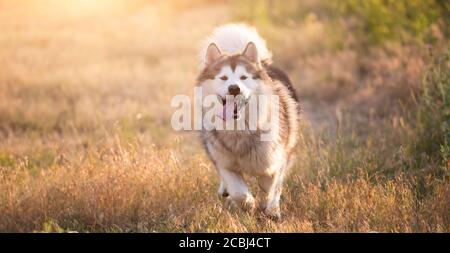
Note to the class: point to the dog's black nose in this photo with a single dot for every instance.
(234, 90)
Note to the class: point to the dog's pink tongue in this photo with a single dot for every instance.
(227, 111)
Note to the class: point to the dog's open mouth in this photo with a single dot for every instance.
(231, 107)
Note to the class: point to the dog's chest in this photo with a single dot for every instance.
(241, 152)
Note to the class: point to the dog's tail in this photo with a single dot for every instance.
(233, 38)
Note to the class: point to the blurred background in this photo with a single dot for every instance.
(85, 136)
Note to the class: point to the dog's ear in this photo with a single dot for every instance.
(212, 54)
(251, 53)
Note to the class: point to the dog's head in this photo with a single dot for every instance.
(232, 78)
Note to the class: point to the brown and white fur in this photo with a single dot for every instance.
(236, 56)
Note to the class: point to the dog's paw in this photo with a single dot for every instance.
(249, 204)
(273, 214)
(229, 204)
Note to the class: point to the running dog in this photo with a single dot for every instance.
(236, 67)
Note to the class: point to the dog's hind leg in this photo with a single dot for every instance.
(237, 189)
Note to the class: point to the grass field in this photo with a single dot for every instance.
(86, 143)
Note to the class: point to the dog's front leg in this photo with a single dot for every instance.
(237, 189)
(222, 189)
(271, 186)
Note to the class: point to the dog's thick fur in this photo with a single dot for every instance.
(234, 51)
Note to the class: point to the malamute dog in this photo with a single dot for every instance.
(237, 64)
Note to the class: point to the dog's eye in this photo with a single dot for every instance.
(224, 78)
(243, 77)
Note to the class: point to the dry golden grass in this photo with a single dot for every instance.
(146, 189)
(86, 142)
